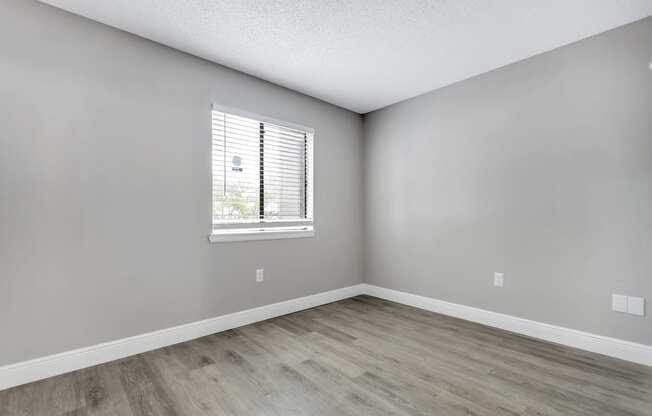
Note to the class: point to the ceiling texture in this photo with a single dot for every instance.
(362, 54)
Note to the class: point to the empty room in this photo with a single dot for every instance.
(325, 207)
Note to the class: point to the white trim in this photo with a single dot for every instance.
(27, 371)
(613, 347)
(248, 234)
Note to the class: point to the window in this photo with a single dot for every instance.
(262, 178)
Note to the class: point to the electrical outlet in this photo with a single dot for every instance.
(619, 303)
(628, 304)
(499, 279)
(636, 306)
(260, 275)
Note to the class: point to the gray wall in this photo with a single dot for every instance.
(105, 192)
(541, 170)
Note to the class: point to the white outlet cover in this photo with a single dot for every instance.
(619, 303)
(636, 306)
(260, 275)
(499, 279)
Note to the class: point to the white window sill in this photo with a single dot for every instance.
(249, 234)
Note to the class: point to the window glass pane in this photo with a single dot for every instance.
(284, 168)
(236, 169)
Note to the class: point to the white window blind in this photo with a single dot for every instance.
(262, 174)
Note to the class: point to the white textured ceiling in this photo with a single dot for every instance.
(362, 54)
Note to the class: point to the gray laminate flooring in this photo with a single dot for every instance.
(360, 356)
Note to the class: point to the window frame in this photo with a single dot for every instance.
(262, 229)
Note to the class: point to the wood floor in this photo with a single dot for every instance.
(360, 356)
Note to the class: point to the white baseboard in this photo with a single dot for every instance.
(44, 367)
(630, 351)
